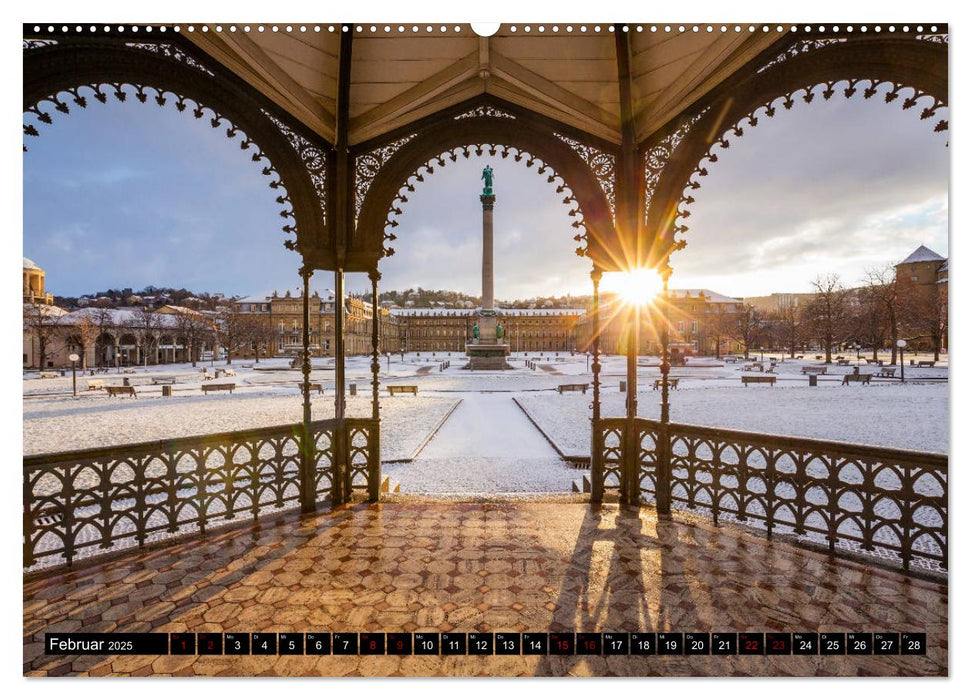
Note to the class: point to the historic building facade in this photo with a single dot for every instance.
(34, 292)
(922, 276)
(524, 330)
(698, 325)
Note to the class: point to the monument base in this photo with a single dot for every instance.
(487, 356)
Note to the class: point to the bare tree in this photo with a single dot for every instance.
(193, 328)
(102, 315)
(787, 319)
(86, 331)
(232, 330)
(869, 319)
(923, 309)
(748, 327)
(261, 334)
(718, 325)
(149, 327)
(826, 313)
(40, 321)
(883, 288)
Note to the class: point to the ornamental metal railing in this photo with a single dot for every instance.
(851, 498)
(94, 501)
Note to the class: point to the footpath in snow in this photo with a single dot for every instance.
(488, 445)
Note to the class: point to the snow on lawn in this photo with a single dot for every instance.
(888, 415)
(59, 424)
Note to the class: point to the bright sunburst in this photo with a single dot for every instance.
(637, 287)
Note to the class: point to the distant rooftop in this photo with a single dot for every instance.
(297, 292)
(30, 264)
(709, 295)
(922, 254)
(472, 312)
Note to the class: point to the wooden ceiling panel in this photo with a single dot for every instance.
(397, 78)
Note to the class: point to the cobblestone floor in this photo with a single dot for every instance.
(514, 566)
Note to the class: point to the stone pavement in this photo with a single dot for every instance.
(427, 565)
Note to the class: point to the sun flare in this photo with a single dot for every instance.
(638, 287)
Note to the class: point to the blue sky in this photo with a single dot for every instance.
(127, 195)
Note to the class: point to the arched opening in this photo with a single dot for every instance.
(907, 72)
(583, 176)
(433, 285)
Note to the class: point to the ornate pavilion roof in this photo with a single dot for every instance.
(399, 78)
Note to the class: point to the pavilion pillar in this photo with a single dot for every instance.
(631, 463)
(663, 444)
(374, 446)
(308, 485)
(596, 439)
(342, 472)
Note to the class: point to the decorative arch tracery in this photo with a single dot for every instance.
(905, 71)
(583, 174)
(59, 75)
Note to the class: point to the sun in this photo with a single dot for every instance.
(639, 286)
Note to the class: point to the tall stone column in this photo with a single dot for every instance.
(488, 299)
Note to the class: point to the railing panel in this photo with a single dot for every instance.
(889, 502)
(89, 501)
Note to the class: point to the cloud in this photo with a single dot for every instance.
(149, 196)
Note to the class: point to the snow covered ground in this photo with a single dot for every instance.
(64, 423)
(888, 415)
(486, 446)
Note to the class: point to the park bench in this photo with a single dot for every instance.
(862, 378)
(672, 383)
(162, 380)
(754, 367)
(573, 387)
(121, 391)
(96, 384)
(128, 370)
(813, 370)
(49, 375)
(843, 362)
(733, 360)
(314, 386)
(206, 376)
(799, 357)
(226, 372)
(926, 363)
(888, 372)
(403, 389)
(226, 386)
(758, 380)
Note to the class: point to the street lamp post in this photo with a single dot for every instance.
(901, 344)
(73, 357)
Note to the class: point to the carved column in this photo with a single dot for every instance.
(663, 445)
(596, 441)
(631, 464)
(342, 471)
(374, 447)
(308, 467)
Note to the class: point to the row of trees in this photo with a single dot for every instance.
(226, 328)
(875, 315)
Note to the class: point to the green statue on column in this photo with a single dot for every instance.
(475, 331)
(499, 331)
(487, 176)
